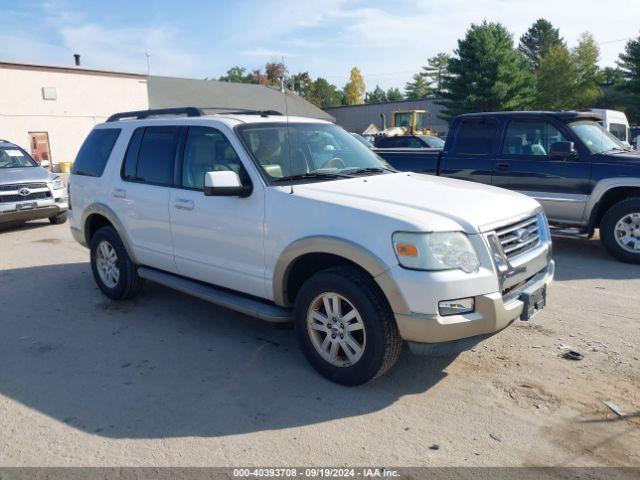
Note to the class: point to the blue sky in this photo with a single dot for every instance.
(389, 40)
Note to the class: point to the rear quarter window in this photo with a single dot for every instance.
(95, 151)
(475, 137)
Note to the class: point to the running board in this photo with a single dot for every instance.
(232, 301)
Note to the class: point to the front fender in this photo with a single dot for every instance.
(347, 249)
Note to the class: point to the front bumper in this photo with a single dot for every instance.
(56, 203)
(493, 313)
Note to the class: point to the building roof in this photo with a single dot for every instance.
(69, 69)
(168, 92)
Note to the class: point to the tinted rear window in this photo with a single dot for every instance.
(153, 162)
(475, 137)
(95, 151)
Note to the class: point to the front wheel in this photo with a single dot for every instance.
(345, 327)
(59, 218)
(620, 230)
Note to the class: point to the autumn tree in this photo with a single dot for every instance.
(589, 76)
(354, 90)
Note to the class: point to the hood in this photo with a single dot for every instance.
(25, 174)
(631, 158)
(426, 202)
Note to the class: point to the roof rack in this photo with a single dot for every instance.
(156, 112)
(242, 111)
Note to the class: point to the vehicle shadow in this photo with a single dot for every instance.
(31, 225)
(579, 258)
(167, 365)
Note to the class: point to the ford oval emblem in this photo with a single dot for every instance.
(24, 192)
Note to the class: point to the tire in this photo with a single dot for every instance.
(378, 338)
(125, 282)
(628, 212)
(59, 219)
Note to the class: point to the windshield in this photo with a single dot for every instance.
(311, 151)
(404, 119)
(596, 138)
(14, 157)
(433, 142)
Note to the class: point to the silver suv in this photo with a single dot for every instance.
(28, 191)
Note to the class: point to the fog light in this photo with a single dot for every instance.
(456, 307)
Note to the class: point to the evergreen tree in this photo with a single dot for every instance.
(436, 70)
(418, 88)
(378, 95)
(629, 85)
(394, 95)
(486, 74)
(557, 80)
(538, 40)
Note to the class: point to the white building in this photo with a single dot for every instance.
(49, 111)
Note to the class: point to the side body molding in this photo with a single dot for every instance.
(103, 210)
(347, 249)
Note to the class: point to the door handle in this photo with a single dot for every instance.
(503, 167)
(183, 204)
(119, 193)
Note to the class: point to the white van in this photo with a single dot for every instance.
(615, 122)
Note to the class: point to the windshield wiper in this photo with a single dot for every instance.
(356, 171)
(302, 176)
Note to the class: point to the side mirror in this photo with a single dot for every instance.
(563, 150)
(225, 184)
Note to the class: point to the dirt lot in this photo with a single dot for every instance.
(166, 379)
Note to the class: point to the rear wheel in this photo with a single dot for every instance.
(620, 230)
(345, 327)
(113, 270)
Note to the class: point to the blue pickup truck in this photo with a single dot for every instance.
(582, 175)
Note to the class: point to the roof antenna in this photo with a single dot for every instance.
(286, 113)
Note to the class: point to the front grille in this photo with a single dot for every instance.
(24, 198)
(518, 238)
(18, 186)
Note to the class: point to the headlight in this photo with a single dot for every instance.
(435, 251)
(57, 183)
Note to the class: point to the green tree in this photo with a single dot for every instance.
(486, 74)
(436, 70)
(354, 90)
(538, 40)
(418, 88)
(629, 81)
(324, 94)
(585, 55)
(394, 95)
(557, 80)
(378, 95)
(300, 83)
(237, 74)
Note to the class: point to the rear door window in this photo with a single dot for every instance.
(95, 151)
(475, 137)
(151, 155)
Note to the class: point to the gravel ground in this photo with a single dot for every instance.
(168, 380)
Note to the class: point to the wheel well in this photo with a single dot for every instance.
(94, 223)
(305, 266)
(610, 198)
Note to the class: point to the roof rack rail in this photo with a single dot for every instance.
(242, 111)
(156, 112)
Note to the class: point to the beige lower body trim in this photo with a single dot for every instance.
(491, 315)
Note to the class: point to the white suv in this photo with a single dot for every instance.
(294, 219)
